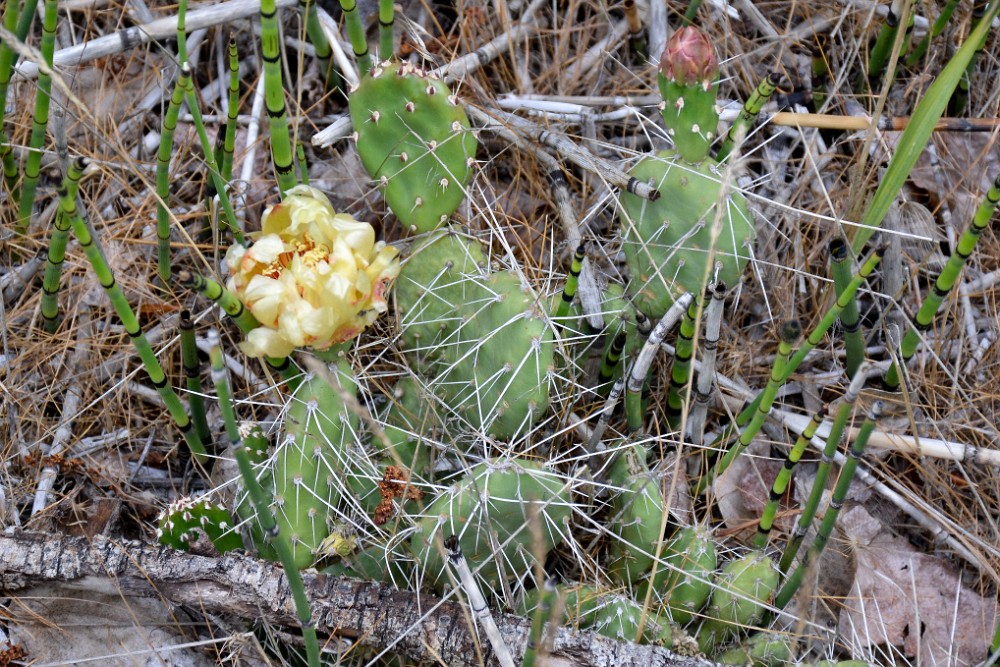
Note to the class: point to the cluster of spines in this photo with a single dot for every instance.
(184, 519)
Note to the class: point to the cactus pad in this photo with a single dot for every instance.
(414, 138)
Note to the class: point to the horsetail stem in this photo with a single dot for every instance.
(538, 620)
(850, 320)
(945, 281)
(960, 98)
(572, 282)
(706, 376)
(823, 471)
(114, 291)
(182, 54)
(825, 529)
(192, 376)
(480, 610)
(680, 372)
(942, 20)
(883, 43)
(261, 501)
(216, 293)
(914, 139)
(163, 180)
(781, 482)
(206, 146)
(644, 361)
(812, 341)
(386, 17)
(10, 13)
(356, 35)
(612, 359)
(324, 53)
(229, 146)
(43, 89)
(56, 255)
(790, 333)
(274, 97)
(242, 317)
(300, 151)
(751, 108)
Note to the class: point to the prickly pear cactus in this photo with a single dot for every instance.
(182, 520)
(682, 584)
(481, 340)
(742, 590)
(319, 437)
(489, 512)
(668, 242)
(414, 138)
(636, 516)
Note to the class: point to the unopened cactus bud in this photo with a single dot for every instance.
(690, 58)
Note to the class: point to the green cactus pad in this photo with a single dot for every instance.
(414, 138)
(691, 116)
(183, 519)
(743, 588)
(492, 508)
(637, 513)
(309, 462)
(683, 581)
(666, 242)
(762, 649)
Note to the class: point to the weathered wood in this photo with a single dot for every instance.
(420, 626)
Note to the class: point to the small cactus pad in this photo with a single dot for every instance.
(181, 521)
(688, 79)
(490, 512)
(637, 511)
(667, 242)
(682, 582)
(742, 590)
(414, 138)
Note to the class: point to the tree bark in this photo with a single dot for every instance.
(419, 626)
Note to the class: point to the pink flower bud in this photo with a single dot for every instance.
(689, 58)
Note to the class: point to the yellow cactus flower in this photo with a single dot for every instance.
(312, 278)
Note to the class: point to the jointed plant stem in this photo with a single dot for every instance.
(569, 289)
(751, 108)
(680, 372)
(192, 376)
(386, 17)
(57, 253)
(129, 320)
(850, 319)
(356, 34)
(163, 180)
(261, 501)
(33, 164)
(274, 98)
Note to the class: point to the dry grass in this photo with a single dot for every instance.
(800, 183)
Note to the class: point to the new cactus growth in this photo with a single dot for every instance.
(668, 243)
(636, 515)
(741, 592)
(180, 523)
(414, 138)
(682, 583)
(489, 512)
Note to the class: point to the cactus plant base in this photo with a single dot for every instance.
(667, 243)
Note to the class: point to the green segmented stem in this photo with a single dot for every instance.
(206, 146)
(261, 501)
(781, 482)
(243, 318)
(945, 282)
(163, 180)
(386, 17)
(192, 377)
(182, 54)
(56, 255)
(706, 376)
(612, 359)
(572, 282)
(300, 151)
(692, 12)
(790, 333)
(538, 622)
(33, 165)
(680, 372)
(114, 291)
(825, 529)
(10, 14)
(229, 146)
(356, 35)
(883, 43)
(914, 139)
(820, 72)
(850, 320)
(942, 20)
(274, 97)
(324, 53)
(960, 98)
(216, 293)
(823, 470)
(751, 108)
(811, 342)
(643, 363)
